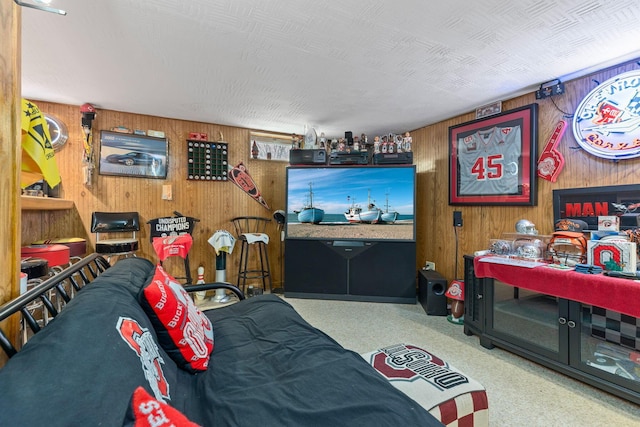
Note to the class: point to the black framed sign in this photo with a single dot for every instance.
(125, 154)
(587, 204)
(492, 160)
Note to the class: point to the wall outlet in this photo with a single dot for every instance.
(167, 192)
(429, 266)
(457, 218)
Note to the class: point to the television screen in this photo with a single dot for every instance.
(351, 203)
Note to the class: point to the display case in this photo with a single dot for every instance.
(597, 345)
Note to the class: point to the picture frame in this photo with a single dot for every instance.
(589, 203)
(139, 156)
(492, 161)
(269, 146)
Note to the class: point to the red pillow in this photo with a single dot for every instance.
(184, 332)
(145, 411)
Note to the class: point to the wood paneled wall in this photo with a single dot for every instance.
(216, 203)
(436, 238)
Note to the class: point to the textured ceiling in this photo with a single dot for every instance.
(374, 66)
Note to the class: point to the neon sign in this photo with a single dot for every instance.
(607, 121)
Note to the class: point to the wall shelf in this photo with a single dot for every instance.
(30, 203)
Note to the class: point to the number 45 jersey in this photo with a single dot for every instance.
(489, 161)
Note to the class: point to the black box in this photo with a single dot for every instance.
(404, 158)
(308, 157)
(353, 158)
(431, 289)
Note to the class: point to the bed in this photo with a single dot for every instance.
(268, 366)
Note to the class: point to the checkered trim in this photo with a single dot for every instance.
(466, 410)
(615, 327)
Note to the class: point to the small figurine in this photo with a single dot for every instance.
(295, 141)
(456, 293)
(323, 141)
(406, 142)
(376, 144)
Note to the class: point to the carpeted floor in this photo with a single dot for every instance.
(521, 393)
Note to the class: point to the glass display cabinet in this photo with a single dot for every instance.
(597, 345)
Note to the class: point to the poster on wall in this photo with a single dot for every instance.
(492, 160)
(124, 154)
(269, 146)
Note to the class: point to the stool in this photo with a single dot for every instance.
(250, 230)
(452, 397)
(77, 246)
(116, 224)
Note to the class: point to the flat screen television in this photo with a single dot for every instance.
(351, 203)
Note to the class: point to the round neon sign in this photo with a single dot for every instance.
(607, 121)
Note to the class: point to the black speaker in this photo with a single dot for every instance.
(431, 289)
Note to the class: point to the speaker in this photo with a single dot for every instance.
(431, 289)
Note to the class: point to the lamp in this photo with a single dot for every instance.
(280, 217)
(456, 293)
(41, 7)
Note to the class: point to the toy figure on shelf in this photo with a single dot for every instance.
(406, 142)
(323, 141)
(296, 141)
(376, 144)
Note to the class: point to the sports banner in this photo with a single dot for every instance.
(240, 177)
(38, 159)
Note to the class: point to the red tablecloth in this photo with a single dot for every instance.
(621, 295)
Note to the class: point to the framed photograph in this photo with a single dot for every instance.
(492, 161)
(125, 154)
(590, 203)
(269, 146)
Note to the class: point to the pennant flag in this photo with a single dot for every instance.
(240, 177)
(38, 159)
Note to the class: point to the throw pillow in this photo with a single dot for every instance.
(184, 332)
(145, 411)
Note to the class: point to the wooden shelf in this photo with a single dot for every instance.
(31, 203)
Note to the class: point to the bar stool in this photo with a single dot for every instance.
(251, 231)
(124, 225)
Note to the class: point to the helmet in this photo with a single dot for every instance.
(87, 108)
(524, 226)
(279, 216)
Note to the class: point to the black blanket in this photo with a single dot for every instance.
(269, 368)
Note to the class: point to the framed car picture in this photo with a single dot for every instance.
(492, 160)
(140, 156)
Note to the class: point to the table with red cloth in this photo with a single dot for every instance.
(615, 294)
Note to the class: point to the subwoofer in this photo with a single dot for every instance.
(431, 289)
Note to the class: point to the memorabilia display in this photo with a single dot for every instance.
(207, 161)
(492, 160)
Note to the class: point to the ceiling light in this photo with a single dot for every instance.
(41, 7)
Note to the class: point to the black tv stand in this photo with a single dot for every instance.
(355, 270)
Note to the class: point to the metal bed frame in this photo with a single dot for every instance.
(55, 292)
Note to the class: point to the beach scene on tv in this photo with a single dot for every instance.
(351, 203)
